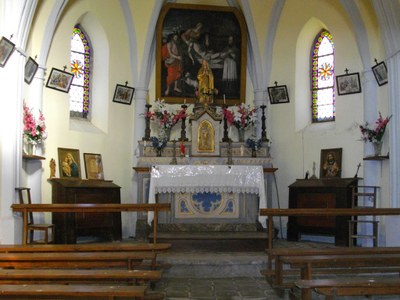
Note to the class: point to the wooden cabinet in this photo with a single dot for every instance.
(320, 193)
(70, 226)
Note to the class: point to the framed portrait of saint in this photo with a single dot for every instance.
(194, 40)
(331, 163)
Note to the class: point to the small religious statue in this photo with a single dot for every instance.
(206, 84)
(52, 168)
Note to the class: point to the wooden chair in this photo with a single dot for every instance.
(363, 196)
(48, 229)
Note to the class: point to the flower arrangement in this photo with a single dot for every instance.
(158, 143)
(34, 132)
(166, 118)
(241, 116)
(253, 143)
(374, 135)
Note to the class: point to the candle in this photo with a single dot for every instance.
(224, 99)
(184, 101)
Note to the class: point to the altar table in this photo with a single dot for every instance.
(207, 178)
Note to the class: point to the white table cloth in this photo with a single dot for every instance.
(207, 178)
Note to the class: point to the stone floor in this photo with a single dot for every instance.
(224, 270)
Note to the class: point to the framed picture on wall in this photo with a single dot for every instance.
(331, 163)
(6, 49)
(60, 80)
(278, 94)
(348, 84)
(200, 33)
(93, 166)
(380, 73)
(31, 67)
(123, 94)
(69, 163)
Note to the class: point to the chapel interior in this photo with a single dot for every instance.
(201, 61)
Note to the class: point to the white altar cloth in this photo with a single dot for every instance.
(207, 178)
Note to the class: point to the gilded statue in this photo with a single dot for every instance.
(52, 168)
(206, 83)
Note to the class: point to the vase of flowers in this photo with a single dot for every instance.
(254, 144)
(375, 135)
(242, 117)
(158, 144)
(165, 118)
(34, 131)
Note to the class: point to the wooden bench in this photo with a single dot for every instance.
(67, 276)
(270, 213)
(275, 255)
(92, 247)
(25, 209)
(41, 290)
(337, 263)
(75, 259)
(354, 286)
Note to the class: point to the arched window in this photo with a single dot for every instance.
(80, 66)
(323, 78)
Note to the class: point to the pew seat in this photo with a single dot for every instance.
(30, 291)
(352, 286)
(29, 276)
(75, 259)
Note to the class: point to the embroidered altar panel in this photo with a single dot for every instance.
(206, 205)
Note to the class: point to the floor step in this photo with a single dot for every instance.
(211, 235)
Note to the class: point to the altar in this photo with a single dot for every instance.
(208, 191)
(213, 182)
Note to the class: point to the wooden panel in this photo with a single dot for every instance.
(323, 200)
(69, 226)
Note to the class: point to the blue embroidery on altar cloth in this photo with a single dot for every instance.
(206, 202)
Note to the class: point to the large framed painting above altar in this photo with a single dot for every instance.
(186, 36)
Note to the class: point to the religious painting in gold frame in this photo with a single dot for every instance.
(188, 34)
(205, 137)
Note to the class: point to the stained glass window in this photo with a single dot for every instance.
(323, 75)
(80, 67)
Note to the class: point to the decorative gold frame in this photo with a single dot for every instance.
(220, 23)
(69, 163)
(93, 166)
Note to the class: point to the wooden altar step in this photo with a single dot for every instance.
(212, 236)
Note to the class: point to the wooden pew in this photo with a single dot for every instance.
(276, 254)
(33, 291)
(68, 276)
(353, 286)
(359, 263)
(74, 259)
(25, 209)
(93, 247)
(270, 213)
